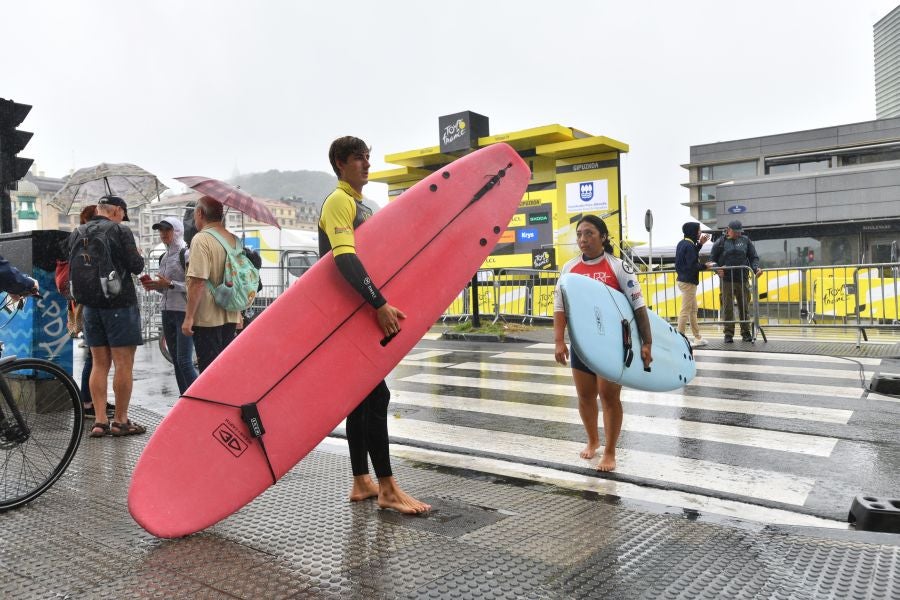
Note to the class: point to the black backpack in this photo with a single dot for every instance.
(93, 279)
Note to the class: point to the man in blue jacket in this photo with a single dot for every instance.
(14, 283)
(688, 267)
(735, 249)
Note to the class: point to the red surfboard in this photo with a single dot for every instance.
(314, 354)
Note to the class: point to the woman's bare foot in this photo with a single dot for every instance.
(607, 462)
(590, 450)
(363, 487)
(391, 496)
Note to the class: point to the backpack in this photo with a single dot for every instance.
(240, 280)
(256, 260)
(93, 279)
(61, 277)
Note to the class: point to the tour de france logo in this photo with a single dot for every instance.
(541, 261)
(454, 131)
(586, 191)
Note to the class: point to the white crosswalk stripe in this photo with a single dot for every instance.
(529, 388)
(761, 356)
(707, 367)
(763, 409)
(754, 483)
(709, 432)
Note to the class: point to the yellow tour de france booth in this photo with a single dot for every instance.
(573, 173)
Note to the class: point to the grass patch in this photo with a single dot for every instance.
(500, 328)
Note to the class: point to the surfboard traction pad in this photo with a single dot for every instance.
(302, 538)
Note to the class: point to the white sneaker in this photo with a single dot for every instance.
(699, 342)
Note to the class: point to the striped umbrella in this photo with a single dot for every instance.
(231, 196)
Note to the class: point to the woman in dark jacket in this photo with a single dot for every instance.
(688, 266)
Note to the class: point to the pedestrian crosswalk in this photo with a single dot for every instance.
(753, 428)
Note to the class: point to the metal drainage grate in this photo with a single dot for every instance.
(448, 517)
(871, 350)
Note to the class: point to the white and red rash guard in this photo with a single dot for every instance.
(608, 269)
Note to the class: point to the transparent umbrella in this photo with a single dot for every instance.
(85, 186)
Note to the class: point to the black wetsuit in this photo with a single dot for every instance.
(367, 431)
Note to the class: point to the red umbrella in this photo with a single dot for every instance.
(231, 196)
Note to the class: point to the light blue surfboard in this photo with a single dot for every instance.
(595, 313)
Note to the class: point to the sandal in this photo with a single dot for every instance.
(99, 430)
(127, 428)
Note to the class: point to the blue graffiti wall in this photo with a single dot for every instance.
(38, 329)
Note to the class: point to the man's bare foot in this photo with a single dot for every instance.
(607, 462)
(590, 450)
(391, 496)
(363, 487)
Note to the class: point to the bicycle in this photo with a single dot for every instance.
(41, 422)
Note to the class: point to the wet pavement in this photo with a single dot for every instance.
(523, 520)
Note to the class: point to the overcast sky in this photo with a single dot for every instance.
(207, 87)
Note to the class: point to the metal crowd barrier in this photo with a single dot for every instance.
(460, 309)
(860, 297)
(524, 294)
(275, 281)
(663, 297)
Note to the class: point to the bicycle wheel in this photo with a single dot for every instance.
(40, 428)
(164, 347)
(164, 350)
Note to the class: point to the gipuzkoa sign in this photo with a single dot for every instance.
(460, 131)
(587, 196)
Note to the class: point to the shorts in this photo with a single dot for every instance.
(577, 364)
(113, 327)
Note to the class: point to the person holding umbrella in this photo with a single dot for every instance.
(367, 431)
(112, 324)
(211, 326)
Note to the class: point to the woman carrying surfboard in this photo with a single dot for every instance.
(598, 262)
(367, 433)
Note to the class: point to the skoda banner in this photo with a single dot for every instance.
(587, 196)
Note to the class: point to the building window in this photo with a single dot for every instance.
(864, 158)
(807, 251)
(738, 170)
(707, 193)
(797, 166)
(707, 212)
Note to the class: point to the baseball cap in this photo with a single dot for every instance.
(115, 201)
(736, 226)
(163, 225)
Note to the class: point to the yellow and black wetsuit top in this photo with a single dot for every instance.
(342, 212)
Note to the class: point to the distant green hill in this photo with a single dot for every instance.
(310, 186)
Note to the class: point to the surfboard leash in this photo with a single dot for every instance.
(251, 418)
(494, 180)
(626, 331)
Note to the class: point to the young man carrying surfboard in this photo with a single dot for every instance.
(367, 435)
(598, 262)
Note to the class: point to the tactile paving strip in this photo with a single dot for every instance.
(808, 347)
(304, 539)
